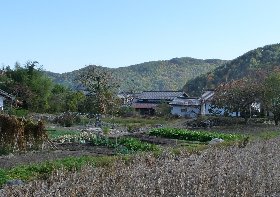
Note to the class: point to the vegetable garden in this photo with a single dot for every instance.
(73, 149)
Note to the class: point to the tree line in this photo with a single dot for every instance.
(260, 87)
(36, 92)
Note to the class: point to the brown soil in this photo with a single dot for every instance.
(155, 140)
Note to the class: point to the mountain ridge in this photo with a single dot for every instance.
(188, 74)
(265, 58)
(154, 75)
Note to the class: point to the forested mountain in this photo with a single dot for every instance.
(155, 75)
(265, 58)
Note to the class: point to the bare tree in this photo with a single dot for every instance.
(101, 88)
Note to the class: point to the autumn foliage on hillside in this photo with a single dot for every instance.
(266, 59)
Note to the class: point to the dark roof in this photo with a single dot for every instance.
(161, 95)
(185, 102)
(6, 95)
(144, 105)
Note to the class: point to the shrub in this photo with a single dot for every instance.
(163, 110)
(19, 112)
(126, 111)
(68, 119)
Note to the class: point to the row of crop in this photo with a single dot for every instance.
(122, 145)
(125, 144)
(183, 134)
(71, 136)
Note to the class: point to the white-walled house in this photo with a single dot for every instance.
(205, 99)
(192, 107)
(3, 96)
(181, 104)
(185, 107)
(208, 109)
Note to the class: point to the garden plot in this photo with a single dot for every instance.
(73, 143)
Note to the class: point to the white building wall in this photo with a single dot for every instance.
(207, 108)
(185, 111)
(1, 103)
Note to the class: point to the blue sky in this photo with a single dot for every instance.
(66, 35)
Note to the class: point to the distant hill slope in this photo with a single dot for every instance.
(265, 58)
(155, 75)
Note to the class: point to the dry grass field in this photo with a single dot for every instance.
(252, 170)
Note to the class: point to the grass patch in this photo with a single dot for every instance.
(266, 135)
(269, 135)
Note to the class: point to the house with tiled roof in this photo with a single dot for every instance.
(147, 101)
(185, 107)
(181, 104)
(193, 107)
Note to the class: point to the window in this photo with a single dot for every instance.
(184, 109)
